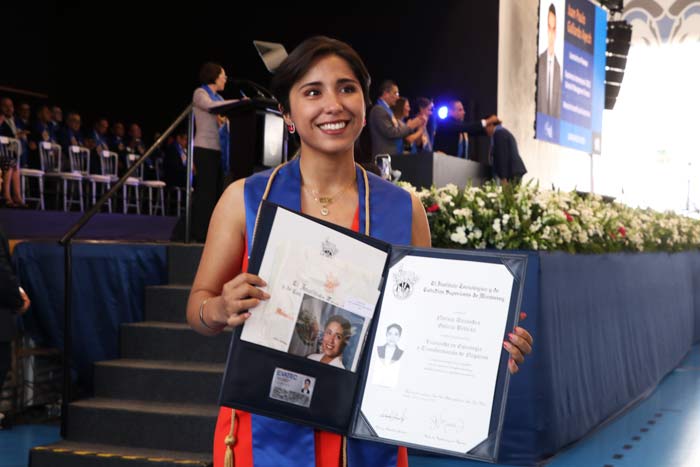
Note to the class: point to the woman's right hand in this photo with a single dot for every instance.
(238, 296)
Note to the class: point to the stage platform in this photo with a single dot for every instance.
(30, 224)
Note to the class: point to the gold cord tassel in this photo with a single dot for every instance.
(230, 441)
(344, 452)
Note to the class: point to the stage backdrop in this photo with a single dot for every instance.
(571, 73)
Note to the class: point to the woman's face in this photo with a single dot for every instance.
(406, 109)
(221, 81)
(333, 340)
(392, 336)
(427, 112)
(327, 107)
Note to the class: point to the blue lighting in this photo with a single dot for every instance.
(442, 112)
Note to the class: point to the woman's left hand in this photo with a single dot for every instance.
(518, 344)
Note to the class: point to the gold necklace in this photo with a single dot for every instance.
(325, 201)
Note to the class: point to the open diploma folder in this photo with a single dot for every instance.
(393, 344)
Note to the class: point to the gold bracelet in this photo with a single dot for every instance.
(201, 317)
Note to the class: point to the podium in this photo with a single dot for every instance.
(258, 137)
(434, 168)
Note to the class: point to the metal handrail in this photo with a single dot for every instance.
(67, 238)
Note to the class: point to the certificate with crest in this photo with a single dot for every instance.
(395, 344)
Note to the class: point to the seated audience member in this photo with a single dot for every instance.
(24, 129)
(175, 162)
(117, 143)
(8, 164)
(97, 142)
(7, 125)
(504, 157)
(452, 134)
(42, 131)
(98, 136)
(11, 127)
(116, 138)
(401, 110)
(71, 134)
(136, 145)
(56, 120)
(385, 132)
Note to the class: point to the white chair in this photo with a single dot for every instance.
(11, 147)
(133, 183)
(108, 175)
(79, 159)
(51, 160)
(157, 202)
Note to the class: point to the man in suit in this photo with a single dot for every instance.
(175, 162)
(385, 130)
(504, 158)
(13, 300)
(452, 134)
(549, 72)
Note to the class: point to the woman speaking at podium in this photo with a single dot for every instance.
(211, 137)
(322, 88)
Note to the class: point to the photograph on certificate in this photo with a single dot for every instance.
(328, 334)
(387, 357)
(436, 355)
(310, 269)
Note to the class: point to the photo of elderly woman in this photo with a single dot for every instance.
(326, 333)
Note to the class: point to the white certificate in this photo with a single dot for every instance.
(435, 360)
(324, 287)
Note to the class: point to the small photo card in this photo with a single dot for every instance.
(293, 388)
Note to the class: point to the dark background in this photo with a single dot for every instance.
(138, 62)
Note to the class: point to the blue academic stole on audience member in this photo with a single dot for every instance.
(224, 133)
(383, 103)
(41, 128)
(390, 221)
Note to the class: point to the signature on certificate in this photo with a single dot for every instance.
(394, 416)
(446, 423)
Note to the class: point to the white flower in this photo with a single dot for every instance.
(459, 236)
(496, 225)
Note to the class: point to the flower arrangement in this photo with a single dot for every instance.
(524, 217)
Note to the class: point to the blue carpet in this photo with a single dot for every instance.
(26, 223)
(660, 431)
(16, 443)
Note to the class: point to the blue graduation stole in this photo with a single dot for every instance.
(276, 441)
(399, 141)
(224, 133)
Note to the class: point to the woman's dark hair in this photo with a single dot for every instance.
(395, 326)
(344, 323)
(423, 102)
(298, 63)
(209, 72)
(398, 108)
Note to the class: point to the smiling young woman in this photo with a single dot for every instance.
(322, 88)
